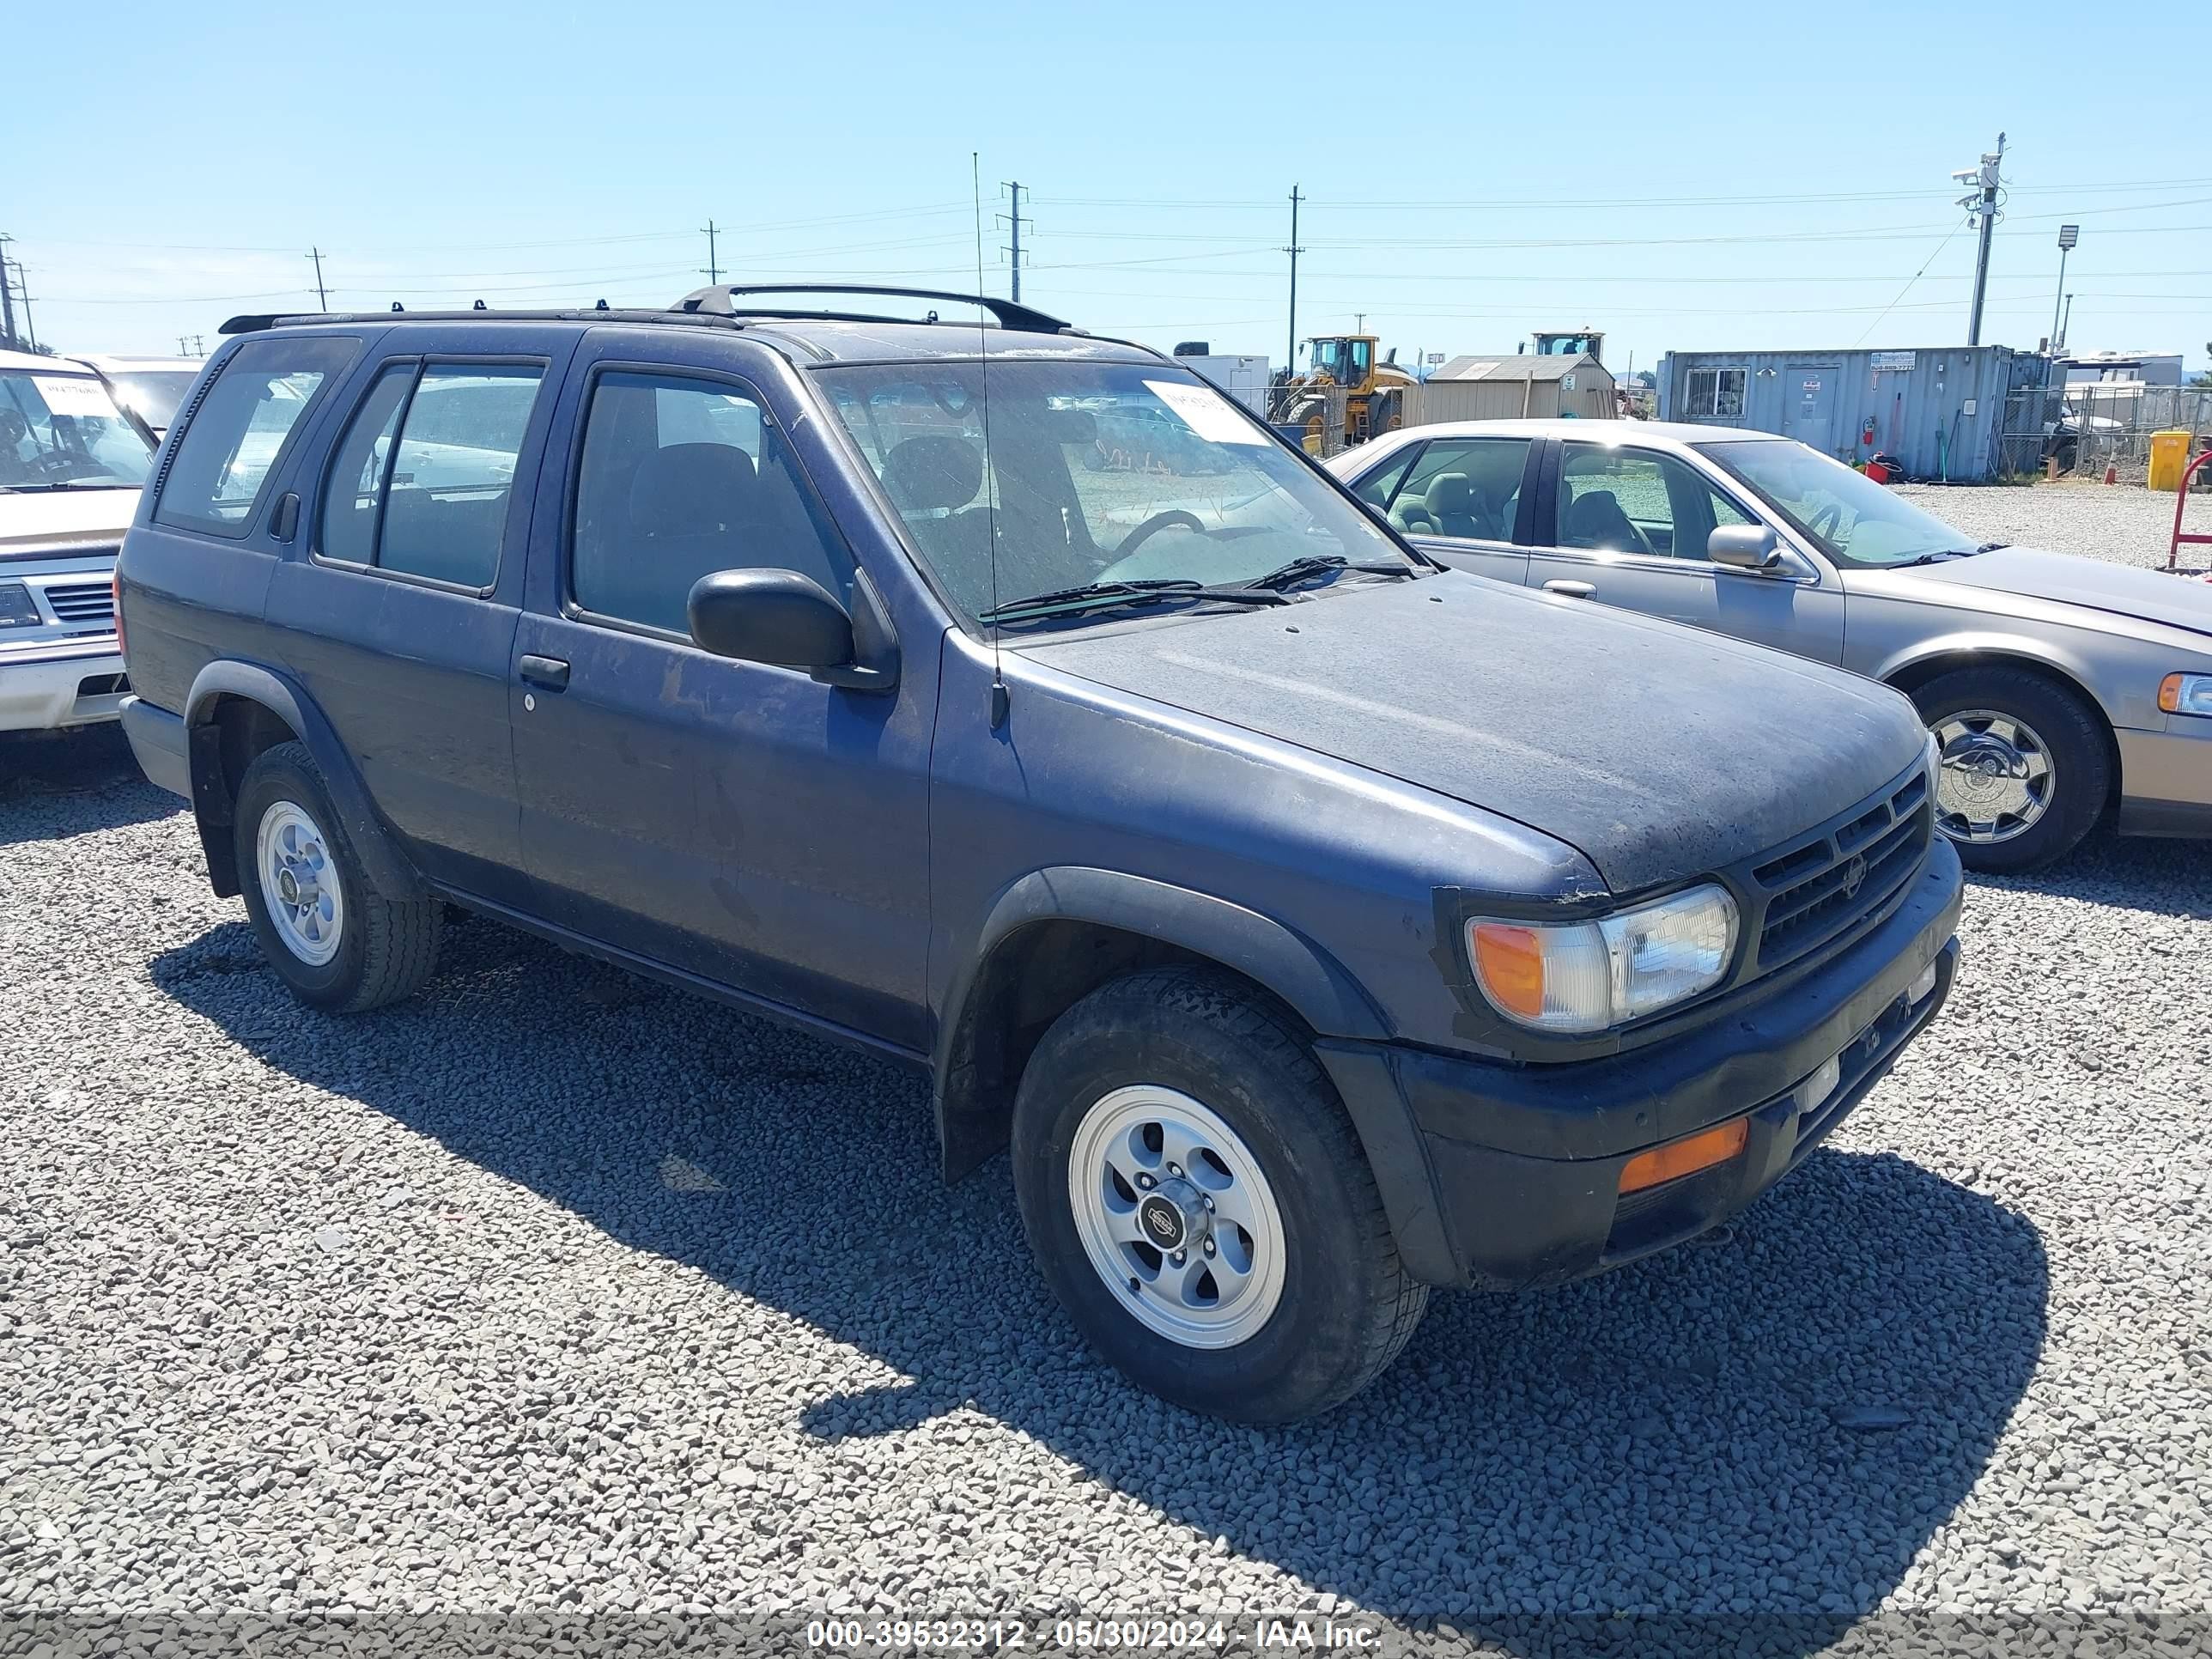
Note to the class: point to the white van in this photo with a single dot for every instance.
(72, 465)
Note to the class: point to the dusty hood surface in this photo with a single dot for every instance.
(2122, 590)
(51, 517)
(1659, 751)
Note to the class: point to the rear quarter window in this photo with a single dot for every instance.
(223, 464)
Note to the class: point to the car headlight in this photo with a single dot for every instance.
(2186, 694)
(16, 610)
(1588, 976)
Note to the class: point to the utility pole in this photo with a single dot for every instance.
(713, 269)
(2067, 236)
(22, 293)
(7, 297)
(1291, 363)
(1359, 322)
(322, 295)
(1981, 202)
(1013, 244)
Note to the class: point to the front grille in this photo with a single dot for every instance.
(81, 602)
(1819, 891)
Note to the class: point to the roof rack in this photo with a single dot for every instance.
(254, 322)
(719, 301)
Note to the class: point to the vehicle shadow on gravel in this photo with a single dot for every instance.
(1744, 1443)
(2150, 874)
(74, 783)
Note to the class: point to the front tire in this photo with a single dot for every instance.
(2025, 769)
(1199, 1203)
(337, 940)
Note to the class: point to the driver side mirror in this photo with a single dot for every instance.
(1745, 547)
(780, 617)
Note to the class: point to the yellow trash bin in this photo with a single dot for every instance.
(2169, 458)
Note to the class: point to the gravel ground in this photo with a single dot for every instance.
(576, 1307)
(2122, 522)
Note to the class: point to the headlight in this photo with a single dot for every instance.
(16, 610)
(1586, 975)
(2186, 694)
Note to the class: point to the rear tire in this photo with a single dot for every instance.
(1182, 1057)
(2049, 725)
(337, 940)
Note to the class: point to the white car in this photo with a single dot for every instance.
(152, 388)
(71, 464)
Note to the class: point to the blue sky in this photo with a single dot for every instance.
(1766, 176)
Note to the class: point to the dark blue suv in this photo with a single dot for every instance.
(1315, 924)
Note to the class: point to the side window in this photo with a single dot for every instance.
(1715, 394)
(1465, 487)
(445, 509)
(221, 465)
(420, 481)
(1377, 488)
(1617, 501)
(680, 478)
(356, 479)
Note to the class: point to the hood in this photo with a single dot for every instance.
(1657, 751)
(60, 517)
(2121, 590)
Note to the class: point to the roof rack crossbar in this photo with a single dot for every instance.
(1010, 314)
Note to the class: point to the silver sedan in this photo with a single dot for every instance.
(2057, 687)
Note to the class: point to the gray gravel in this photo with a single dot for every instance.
(2125, 523)
(558, 1300)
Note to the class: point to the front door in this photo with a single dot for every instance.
(1628, 526)
(742, 823)
(1809, 404)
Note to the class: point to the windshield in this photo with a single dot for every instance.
(64, 432)
(1854, 521)
(153, 394)
(1093, 472)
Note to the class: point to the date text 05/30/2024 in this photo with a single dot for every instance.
(1076, 1635)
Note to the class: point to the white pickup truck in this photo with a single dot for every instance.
(72, 465)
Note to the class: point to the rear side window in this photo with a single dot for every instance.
(221, 467)
(421, 481)
(681, 479)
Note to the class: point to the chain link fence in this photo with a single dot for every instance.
(2091, 425)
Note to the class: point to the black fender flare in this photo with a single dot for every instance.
(971, 1113)
(377, 846)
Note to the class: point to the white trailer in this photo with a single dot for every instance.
(1244, 378)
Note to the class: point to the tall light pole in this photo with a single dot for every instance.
(2067, 236)
(1981, 202)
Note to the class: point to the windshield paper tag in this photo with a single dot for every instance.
(72, 394)
(1207, 413)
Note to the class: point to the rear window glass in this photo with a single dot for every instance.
(223, 465)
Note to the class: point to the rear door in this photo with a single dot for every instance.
(742, 823)
(1627, 527)
(398, 608)
(1462, 499)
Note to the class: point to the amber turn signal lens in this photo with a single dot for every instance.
(1685, 1157)
(1512, 963)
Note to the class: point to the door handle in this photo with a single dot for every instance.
(1571, 590)
(550, 673)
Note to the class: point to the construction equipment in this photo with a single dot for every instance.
(1346, 395)
(1587, 342)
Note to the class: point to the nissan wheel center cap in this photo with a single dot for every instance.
(1162, 1222)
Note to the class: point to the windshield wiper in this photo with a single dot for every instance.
(1938, 558)
(1311, 566)
(1106, 596)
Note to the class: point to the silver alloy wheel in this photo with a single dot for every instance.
(299, 885)
(1995, 779)
(1176, 1217)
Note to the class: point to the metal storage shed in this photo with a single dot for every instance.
(1938, 409)
(1511, 388)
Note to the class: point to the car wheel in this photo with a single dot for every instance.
(338, 941)
(2024, 768)
(1201, 1204)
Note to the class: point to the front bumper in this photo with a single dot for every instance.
(2165, 779)
(70, 687)
(1511, 1175)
